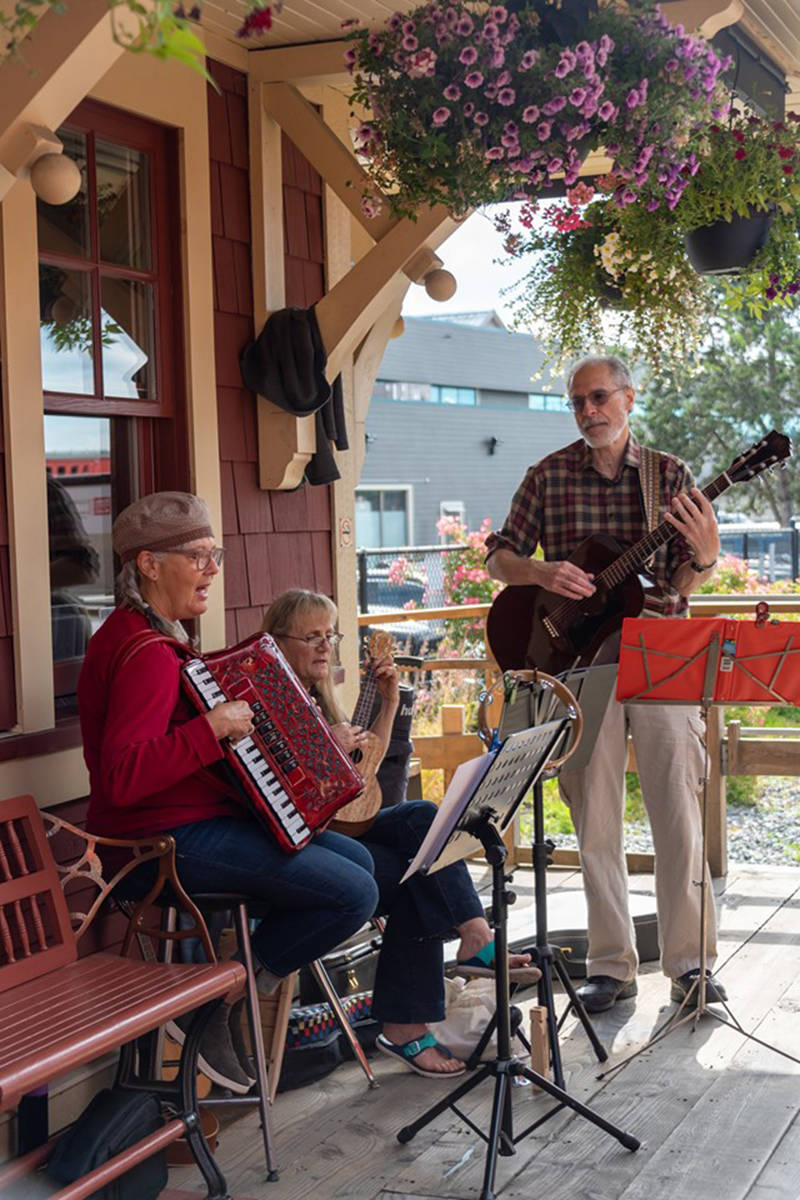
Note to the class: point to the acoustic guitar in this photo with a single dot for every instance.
(357, 816)
(528, 626)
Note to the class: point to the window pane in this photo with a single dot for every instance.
(128, 339)
(64, 228)
(65, 314)
(78, 463)
(368, 519)
(394, 524)
(123, 205)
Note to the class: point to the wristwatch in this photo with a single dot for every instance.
(696, 566)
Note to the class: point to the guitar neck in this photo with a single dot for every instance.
(629, 562)
(366, 699)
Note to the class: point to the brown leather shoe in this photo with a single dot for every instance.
(601, 992)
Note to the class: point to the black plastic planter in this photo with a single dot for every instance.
(727, 247)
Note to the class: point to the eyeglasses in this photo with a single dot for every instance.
(202, 558)
(597, 399)
(317, 640)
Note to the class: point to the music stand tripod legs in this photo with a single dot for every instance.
(506, 1066)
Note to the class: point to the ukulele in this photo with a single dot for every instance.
(357, 816)
(528, 626)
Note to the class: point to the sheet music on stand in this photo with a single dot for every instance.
(497, 783)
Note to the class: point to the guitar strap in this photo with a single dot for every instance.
(650, 484)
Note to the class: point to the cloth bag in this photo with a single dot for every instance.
(469, 1006)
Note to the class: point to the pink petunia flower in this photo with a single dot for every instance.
(528, 60)
(506, 96)
(494, 153)
(530, 114)
(451, 92)
(465, 26)
(481, 118)
(468, 56)
(410, 42)
(441, 115)
(544, 130)
(473, 79)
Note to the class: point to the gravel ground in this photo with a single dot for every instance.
(768, 832)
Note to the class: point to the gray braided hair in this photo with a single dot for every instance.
(128, 595)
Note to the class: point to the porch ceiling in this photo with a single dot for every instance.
(773, 24)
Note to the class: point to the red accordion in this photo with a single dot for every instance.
(291, 769)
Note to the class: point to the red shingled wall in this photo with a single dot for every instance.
(8, 694)
(273, 540)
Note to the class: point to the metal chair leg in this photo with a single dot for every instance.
(329, 991)
(256, 1036)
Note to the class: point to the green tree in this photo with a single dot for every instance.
(744, 384)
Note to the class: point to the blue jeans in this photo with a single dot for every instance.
(317, 898)
(422, 914)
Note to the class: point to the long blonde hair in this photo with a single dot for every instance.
(279, 619)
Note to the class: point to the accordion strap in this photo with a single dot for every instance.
(136, 642)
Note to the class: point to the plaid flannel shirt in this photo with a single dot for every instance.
(564, 499)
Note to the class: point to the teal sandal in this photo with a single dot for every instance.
(482, 966)
(407, 1052)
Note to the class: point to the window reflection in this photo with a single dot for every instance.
(64, 228)
(127, 339)
(65, 314)
(78, 463)
(123, 205)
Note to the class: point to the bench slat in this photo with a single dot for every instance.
(51, 1025)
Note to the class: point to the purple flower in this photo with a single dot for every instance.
(543, 132)
(498, 14)
(469, 109)
(409, 27)
(503, 78)
(481, 118)
(633, 99)
(506, 96)
(468, 56)
(465, 26)
(530, 114)
(554, 105)
(490, 91)
(770, 293)
(653, 204)
(514, 151)
(473, 79)
(671, 64)
(528, 60)
(394, 22)
(451, 92)
(498, 57)
(555, 164)
(494, 153)
(607, 111)
(490, 30)
(577, 96)
(565, 64)
(509, 139)
(510, 127)
(409, 42)
(441, 115)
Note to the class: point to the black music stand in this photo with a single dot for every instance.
(529, 704)
(480, 814)
(714, 656)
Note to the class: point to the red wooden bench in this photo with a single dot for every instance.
(59, 1011)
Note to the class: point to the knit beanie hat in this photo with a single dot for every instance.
(160, 521)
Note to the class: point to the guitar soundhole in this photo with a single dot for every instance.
(356, 756)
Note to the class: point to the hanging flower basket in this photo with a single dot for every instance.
(728, 247)
(602, 275)
(470, 103)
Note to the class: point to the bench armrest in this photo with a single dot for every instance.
(85, 866)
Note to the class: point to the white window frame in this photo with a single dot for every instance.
(392, 487)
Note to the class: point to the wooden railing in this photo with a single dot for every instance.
(734, 750)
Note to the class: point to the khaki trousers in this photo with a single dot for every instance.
(668, 740)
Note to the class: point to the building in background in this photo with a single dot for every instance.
(457, 416)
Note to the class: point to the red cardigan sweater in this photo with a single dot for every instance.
(144, 747)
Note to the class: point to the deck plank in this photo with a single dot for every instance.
(717, 1113)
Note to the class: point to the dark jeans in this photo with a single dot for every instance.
(409, 984)
(317, 898)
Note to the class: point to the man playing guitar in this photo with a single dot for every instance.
(593, 486)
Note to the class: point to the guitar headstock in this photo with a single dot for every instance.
(772, 449)
(379, 644)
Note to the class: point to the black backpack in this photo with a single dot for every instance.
(114, 1120)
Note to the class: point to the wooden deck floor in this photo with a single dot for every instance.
(717, 1114)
